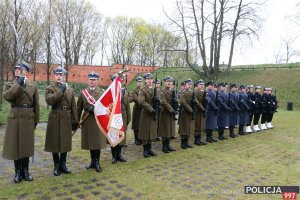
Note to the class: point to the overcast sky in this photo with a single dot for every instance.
(275, 28)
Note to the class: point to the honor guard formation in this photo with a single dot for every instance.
(199, 108)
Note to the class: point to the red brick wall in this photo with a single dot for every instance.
(79, 73)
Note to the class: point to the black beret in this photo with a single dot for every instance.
(209, 83)
(223, 84)
(234, 85)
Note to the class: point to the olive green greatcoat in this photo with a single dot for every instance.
(19, 133)
(148, 126)
(200, 110)
(91, 136)
(59, 128)
(126, 112)
(137, 109)
(186, 123)
(166, 119)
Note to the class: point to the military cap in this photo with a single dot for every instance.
(188, 81)
(258, 87)
(250, 86)
(267, 89)
(168, 78)
(242, 86)
(93, 76)
(112, 77)
(200, 82)
(139, 79)
(60, 70)
(222, 84)
(148, 76)
(234, 85)
(209, 83)
(23, 65)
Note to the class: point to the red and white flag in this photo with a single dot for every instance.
(108, 113)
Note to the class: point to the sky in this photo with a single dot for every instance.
(275, 28)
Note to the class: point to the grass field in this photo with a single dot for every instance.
(215, 171)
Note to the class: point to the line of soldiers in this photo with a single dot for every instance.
(63, 119)
(206, 108)
(155, 113)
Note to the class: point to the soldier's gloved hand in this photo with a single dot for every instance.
(74, 126)
(20, 80)
(62, 87)
(91, 109)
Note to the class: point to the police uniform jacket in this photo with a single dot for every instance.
(211, 114)
(21, 119)
(186, 121)
(223, 117)
(244, 113)
(148, 126)
(234, 114)
(61, 117)
(166, 119)
(91, 136)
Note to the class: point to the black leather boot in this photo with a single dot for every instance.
(146, 151)
(208, 137)
(241, 132)
(187, 143)
(164, 146)
(231, 133)
(119, 154)
(114, 155)
(92, 164)
(25, 173)
(136, 139)
(201, 143)
(220, 135)
(168, 146)
(18, 166)
(56, 171)
(62, 164)
(196, 142)
(183, 145)
(97, 160)
(152, 153)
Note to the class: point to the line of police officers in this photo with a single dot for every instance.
(155, 112)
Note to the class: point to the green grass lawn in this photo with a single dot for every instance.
(215, 171)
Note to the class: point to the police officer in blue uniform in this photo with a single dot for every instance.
(223, 117)
(243, 114)
(211, 113)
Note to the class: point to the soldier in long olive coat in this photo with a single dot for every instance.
(126, 116)
(62, 120)
(186, 119)
(148, 122)
(199, 93)
(91, 137)
(22, 119)
(137, 109)
(166, 120)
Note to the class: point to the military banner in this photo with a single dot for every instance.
(108, 113)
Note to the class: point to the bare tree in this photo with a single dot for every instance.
(247, 23)
(287, 44)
